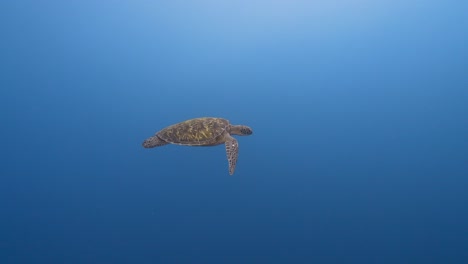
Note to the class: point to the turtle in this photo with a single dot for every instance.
(202, 131)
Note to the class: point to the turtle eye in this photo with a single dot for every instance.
(246, 131)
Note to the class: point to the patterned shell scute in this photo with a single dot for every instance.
(195, 132)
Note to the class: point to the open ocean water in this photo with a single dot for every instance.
(359, 111)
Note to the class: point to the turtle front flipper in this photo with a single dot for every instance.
(153, 142)
(232, 151)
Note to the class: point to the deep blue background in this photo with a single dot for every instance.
(360, 118)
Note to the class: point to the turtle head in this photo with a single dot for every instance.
(241, 130)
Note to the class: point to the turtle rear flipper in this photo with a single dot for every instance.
(153, 142)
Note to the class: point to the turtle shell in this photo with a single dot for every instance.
(195, 132)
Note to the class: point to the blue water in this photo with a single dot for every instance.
(360, 144)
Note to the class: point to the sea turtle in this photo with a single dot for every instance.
(204, 131)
